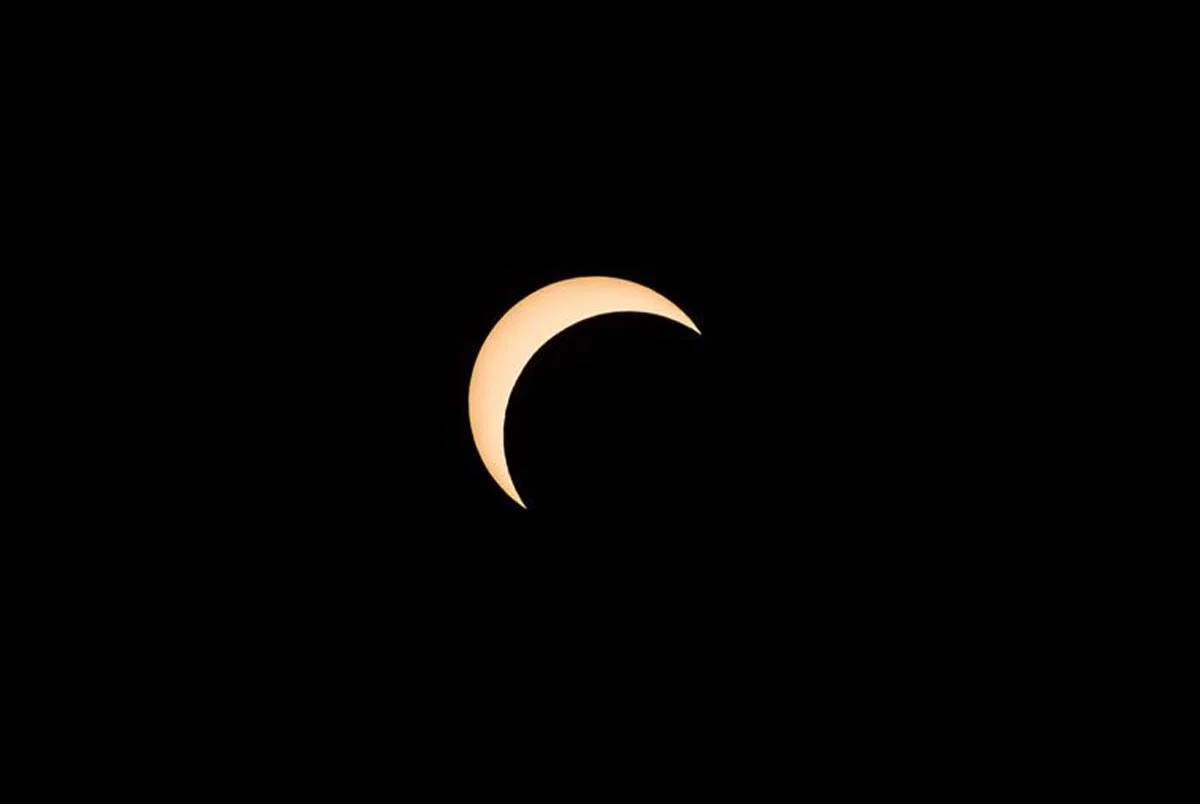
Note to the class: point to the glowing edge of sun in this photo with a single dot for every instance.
(523, 330)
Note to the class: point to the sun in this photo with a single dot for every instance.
(523, 330)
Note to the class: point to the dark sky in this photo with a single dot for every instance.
(333, 276)
(809, 489)
(820, 410)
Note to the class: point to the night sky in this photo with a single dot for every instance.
(812, 439)
(815, 487)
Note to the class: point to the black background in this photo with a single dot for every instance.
(809, 465)
(810, 507)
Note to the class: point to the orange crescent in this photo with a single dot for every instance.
(523, 330)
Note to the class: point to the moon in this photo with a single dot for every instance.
(526, 328)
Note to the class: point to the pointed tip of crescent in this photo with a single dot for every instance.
(515, 497)
(681, 317)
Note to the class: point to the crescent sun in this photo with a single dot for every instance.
(523, 330)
